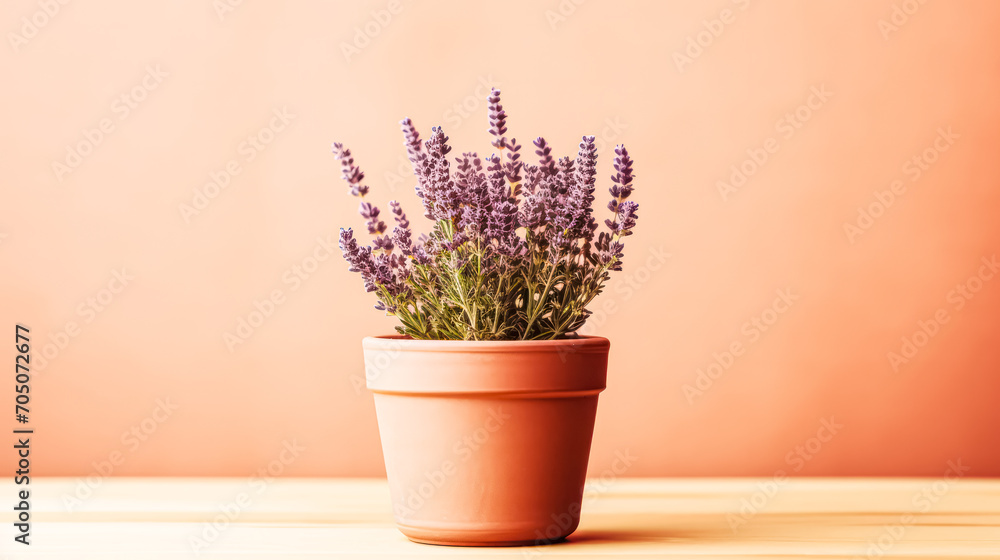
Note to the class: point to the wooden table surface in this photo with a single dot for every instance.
(154, 518)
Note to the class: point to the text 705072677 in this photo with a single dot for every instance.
(22, 377)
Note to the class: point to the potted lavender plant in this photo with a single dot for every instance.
(486, 398)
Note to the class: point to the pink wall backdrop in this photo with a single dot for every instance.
(813, 287)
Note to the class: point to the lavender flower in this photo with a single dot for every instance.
(544, 152)
(370, 213)
(420, 255)
(623, 165)
(498, 120)
(609, 251)
(512, 252)
(402, 237)
(401, 234)
(586, 177)
(497, 180)
(351, 173)
(626, 218)
(400, 216)
(564, 210)
(359, 258)
(442, 200)
(586, 164)
(621, 189)
(354, 176)
(512, 168)
(413, 145)
(532, 213)
(415, 151)
(472, 188)
(383, 243)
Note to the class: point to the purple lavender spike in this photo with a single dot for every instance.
(370, 213)
(544, 152)
(620, 191)
(498, 120)
(442, 198)
(400, 216)
(359, 258)
(350, 172)
(623, 177)
(415, 151)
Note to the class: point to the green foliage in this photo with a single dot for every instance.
(474, 293)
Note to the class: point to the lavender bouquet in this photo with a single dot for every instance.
(512, 254)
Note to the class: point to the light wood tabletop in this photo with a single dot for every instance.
(210, 518)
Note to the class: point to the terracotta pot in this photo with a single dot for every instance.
(486, 443)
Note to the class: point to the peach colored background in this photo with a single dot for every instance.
(604, 68)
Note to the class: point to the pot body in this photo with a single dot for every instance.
(486, 443)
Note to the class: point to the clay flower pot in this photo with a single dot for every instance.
(486, 443)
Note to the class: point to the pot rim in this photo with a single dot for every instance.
(400, 342)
